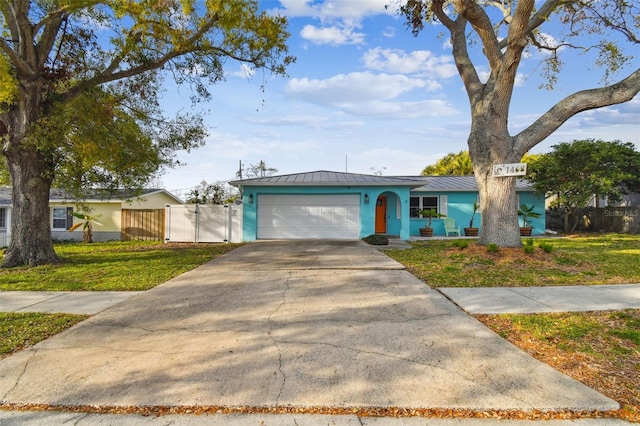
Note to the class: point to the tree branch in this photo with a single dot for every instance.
(464, 65)
(477, 17)
(539, 17)
(110, 74)
(549, 122)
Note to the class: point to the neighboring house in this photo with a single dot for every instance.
(337, 205)
(5, 217)
(122, 214)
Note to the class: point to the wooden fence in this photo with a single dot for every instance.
(203, 223)
(604, 219)
(142, 225)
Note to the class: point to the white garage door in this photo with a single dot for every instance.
(309, 216)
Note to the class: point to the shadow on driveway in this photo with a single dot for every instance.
(305, 324)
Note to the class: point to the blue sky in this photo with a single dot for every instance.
(367, 96)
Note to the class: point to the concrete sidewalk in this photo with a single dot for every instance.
(68, 302)
(297, 324)
(525, 300)
(489, 300)
(16, 418)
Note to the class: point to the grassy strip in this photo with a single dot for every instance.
(114, 266)
(21, 329)
(579, 260)
(599, 349)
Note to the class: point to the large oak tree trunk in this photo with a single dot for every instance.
(31, 176)
(30, 226)
(489, 144)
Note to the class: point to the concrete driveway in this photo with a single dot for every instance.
(307, 323)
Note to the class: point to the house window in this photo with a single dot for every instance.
(420, 203)
(62, 218)
(3, 218)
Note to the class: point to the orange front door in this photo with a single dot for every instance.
(381, 215)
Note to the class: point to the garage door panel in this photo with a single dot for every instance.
(308, 216)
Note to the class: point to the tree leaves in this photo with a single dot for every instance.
(583, 169)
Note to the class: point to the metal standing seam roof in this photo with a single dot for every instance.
(327, 178)
(417, 183)
(459, 184)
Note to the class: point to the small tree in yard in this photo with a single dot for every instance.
(87, 225)
(80, 83)
(210, 193)
(502, 32)
(256, 171)
(578, 172)
(452, 164)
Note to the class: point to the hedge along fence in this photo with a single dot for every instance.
(603, 219)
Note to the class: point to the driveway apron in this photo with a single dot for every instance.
(295, 323)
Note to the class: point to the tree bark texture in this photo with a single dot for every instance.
(489, 140)
(489, 143)
(31, 176)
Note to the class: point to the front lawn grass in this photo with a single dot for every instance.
(575, 260)
(599, 349)
(113, 266)
(21, 329)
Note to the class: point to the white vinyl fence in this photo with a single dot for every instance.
(203, 223)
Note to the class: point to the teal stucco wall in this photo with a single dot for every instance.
(459, 206)
(397, 221)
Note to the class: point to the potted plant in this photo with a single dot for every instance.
(471, 231)
(429, 214)
(527, 213)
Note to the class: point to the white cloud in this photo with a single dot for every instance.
(334, 9)
(400, 110)
(312, 121)
(339, 20)
(351, 88)
(625, 113)
(418, 61)
(389, 32)
(396, 162)
(243, 71)
(483, 75)
(369, 95)
(548, 40)
(332, 35)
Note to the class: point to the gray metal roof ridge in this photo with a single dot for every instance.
(324, 177)
(455, 183)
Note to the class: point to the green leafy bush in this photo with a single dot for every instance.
(546, 247)
(461, 244)
(492, 248)
(529, 249)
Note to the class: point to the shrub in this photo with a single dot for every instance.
(546, 247)
(492, 248)
(528, 242)
(461, 244)
(529, 249)
(376, 240)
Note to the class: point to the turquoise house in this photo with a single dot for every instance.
(335, 205)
